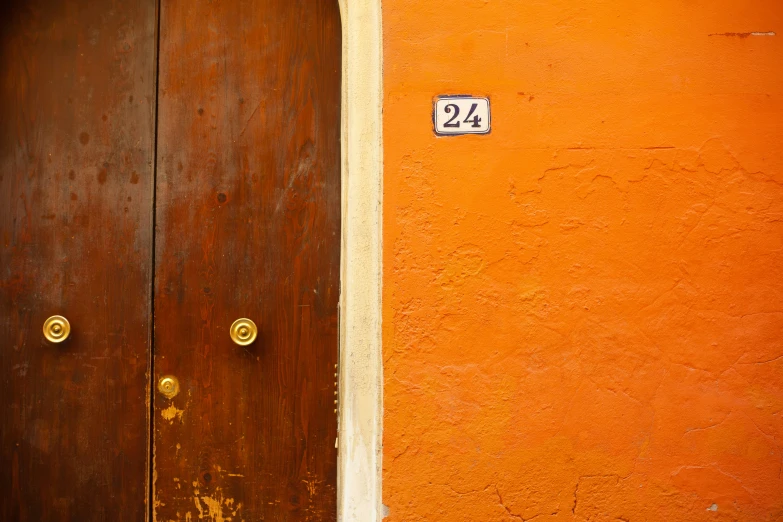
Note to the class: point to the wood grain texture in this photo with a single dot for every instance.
(248, 217)
(76, 151)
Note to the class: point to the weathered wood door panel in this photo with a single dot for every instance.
(245, 206)
(77, 92)
(248, 219)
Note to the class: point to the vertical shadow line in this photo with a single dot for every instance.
(151, 344)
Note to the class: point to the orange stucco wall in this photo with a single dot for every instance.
(583, 310)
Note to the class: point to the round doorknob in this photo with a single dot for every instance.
(168, 386)
(56, 329)
(243, 332)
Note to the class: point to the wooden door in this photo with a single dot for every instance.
(248, 226)
(236, 213)
(77, 94)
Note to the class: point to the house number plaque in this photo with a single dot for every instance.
(457, 114)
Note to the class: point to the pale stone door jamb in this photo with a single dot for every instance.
(361, 367)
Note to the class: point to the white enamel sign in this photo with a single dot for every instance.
(454, 115)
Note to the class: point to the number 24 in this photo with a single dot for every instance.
(475, 121)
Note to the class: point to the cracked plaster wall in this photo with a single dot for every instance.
(583, 310)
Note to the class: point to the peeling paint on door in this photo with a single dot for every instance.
(171, 413)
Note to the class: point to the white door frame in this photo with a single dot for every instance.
(361, 364)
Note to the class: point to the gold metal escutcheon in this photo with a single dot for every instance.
(243, 332)
(168, 386)
(56, 329)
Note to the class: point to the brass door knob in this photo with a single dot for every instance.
(168, 386)
(56, 329)
(243, 332)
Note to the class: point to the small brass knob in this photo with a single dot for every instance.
(168, 386)
(56, 329)
(243, 332)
